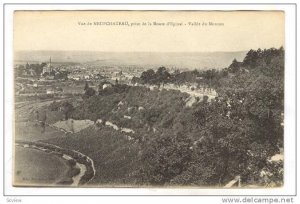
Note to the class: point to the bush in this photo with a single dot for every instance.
(73, 172)
(72, 162)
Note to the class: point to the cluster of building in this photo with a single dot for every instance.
(87, 72)
(77, 72)
(98, 73)
(193, 89)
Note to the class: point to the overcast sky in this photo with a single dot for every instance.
(60, 31)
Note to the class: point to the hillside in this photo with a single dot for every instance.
(206, 144)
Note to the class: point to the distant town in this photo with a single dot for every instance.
(45, 77)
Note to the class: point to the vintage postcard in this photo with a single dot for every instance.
(149, 99)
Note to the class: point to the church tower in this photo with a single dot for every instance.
(48, 68)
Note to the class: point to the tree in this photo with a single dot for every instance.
(164, 158)
(162, 75)
(43, 64)
(36, 68)
(89, 92)
(135, 80)
(235, 66)
(202, 112)
(86, 86)
(148, 76)
(67, 109)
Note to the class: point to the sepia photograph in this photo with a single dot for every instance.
(148, 99)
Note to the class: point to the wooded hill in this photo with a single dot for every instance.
(205, 144)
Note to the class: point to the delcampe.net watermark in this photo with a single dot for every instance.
(269, 200)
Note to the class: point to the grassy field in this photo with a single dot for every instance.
(73, 125)
(26, 128)
(51, 169)
(32, 131)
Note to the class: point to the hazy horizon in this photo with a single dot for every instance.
(185, 60)
(226, 51)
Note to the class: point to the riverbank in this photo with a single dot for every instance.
(81, 168)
